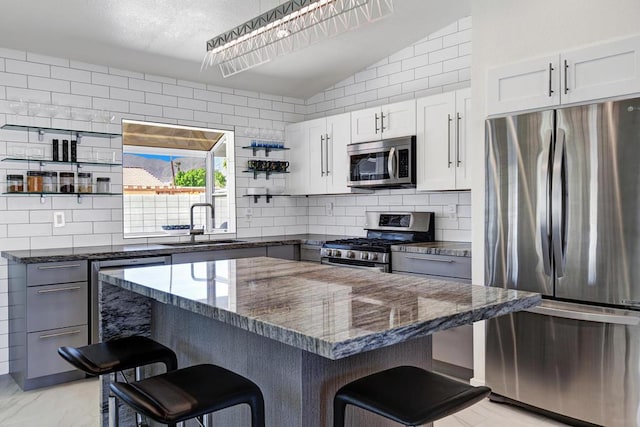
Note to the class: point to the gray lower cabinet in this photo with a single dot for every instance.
(310, 252)
(291, 252)
(453, 348)
(48, 308)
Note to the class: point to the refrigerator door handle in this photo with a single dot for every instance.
(558, 203)
(586, 316)
(543, 209)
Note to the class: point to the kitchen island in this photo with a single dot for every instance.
(299, 330)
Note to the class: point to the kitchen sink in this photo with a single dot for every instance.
(203, 243)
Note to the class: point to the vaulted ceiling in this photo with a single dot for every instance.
(167, 37)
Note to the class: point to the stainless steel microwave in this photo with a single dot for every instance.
(386, 163)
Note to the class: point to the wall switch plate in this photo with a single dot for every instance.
(451, 211)
(58, 219)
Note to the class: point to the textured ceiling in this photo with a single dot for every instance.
(167, 37)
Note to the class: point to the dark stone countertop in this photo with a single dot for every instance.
(96, 253)
(311, 306)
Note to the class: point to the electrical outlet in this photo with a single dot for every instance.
(58, 219)
(329, 209)
(451, 211)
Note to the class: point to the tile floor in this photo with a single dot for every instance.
(76, 405)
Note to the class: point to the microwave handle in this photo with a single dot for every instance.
(391, 165)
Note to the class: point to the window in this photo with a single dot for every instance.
(167, 169)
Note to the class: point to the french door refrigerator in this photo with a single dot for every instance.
(563, 219)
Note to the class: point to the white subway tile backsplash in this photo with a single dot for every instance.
(28, 230)
(126, 94)
(164, 100)
(365, 75)
(11, 79)
(13, 54)
(175, 90)
(145, 109)
(27, 68)
(79, 88)
(109, 80)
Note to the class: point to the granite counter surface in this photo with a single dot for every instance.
(334, 312)
(436, 248)
(94, 253)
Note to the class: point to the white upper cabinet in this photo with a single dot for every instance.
(442, 141)
(585, 74)
(387, 121)
(601, 71)
(524, 86)
(318, 155)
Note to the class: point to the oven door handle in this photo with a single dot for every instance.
(358, 267)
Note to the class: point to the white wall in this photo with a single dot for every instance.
(440, 62)
(505, 31)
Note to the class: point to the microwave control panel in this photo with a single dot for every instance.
(403, 164)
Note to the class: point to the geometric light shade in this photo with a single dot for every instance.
(288, 27)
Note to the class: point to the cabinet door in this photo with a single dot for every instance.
(435, 145)
(339, 132)
(398, 119)
(315, 136)
(601, 71)
(463, 134)
(365, 125)
(524, 86)
(298, 158)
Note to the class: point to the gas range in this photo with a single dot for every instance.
(383, 230)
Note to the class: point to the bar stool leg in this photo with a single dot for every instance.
(339, 407)
(138, 377)
(113, 403)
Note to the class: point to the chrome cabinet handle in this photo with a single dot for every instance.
(70, 288)
(458, 162)
(53, 267)
(550, 73)
(60, 334)
(326, 153)
(377, 129)
(321, 156)
(382, 128)
(448, 261)
(449, 140)
(566, 79)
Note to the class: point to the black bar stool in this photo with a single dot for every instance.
(116, 356)
(191, 392)
(407, 395)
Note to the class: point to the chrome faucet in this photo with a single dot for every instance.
(193, 232)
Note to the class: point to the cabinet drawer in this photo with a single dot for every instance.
(435, 265)
(42, 350)
(56, 306)
(56, 272)
(310, 253)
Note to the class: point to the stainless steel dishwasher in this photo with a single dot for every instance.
(96, 266)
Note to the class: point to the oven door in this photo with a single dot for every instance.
(352, 263)
(382, 163)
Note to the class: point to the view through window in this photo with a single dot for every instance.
(166, 170)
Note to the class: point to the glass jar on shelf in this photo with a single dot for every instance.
(103, 184)
(67, 182)
(34, 181)
(15, 183)
(84, 182)
(50, 182)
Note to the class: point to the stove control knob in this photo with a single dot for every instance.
(373, 256)
(337, 253)
(350, 254)
(364, 255)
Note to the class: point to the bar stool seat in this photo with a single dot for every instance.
(119, 355)
(407, 395)
(191, 393)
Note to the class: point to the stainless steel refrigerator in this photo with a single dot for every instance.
(563, 219)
